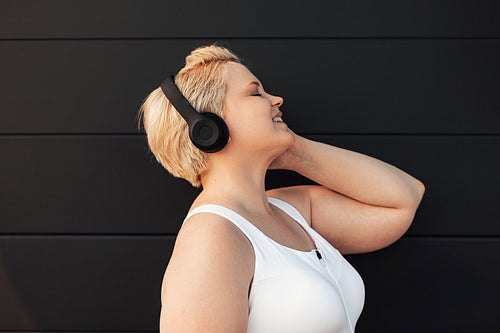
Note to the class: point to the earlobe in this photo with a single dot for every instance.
(229, 141)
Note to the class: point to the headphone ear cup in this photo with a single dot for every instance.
(210, 133)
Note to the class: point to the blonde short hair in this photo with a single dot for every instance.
(203, 82)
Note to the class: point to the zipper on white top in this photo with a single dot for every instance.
(320, 258)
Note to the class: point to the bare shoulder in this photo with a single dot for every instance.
(297, 196)
(207, 277)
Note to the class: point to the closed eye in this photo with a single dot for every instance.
(257, 94)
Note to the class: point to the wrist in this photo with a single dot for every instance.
(296, 157)
(299, 158)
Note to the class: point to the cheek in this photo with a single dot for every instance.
(239, 124)
(250, 120)
(247, 118)
(255, 124)
(250, 130)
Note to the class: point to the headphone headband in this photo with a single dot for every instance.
(207, 130)
(178, 100)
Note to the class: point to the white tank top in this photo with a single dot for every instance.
(295, 291)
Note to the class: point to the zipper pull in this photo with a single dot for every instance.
(321, 260)
(318, 255)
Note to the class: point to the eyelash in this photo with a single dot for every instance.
(257, 94)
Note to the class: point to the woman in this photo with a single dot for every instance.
(251, 260)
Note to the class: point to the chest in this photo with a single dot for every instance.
(284, 230)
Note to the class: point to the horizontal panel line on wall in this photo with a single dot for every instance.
(99, 234)
(244, 38)
(69, 331)
(451, 237)
(68, 134)
(27, 135)
(163, 235)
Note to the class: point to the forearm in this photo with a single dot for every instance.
(356, 175)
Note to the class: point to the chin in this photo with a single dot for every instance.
(285, 142)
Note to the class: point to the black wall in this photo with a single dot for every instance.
(88, 218)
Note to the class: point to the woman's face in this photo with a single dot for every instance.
(249, 113)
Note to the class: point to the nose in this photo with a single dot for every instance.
(276, 100)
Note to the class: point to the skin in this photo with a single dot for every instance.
(207, 282)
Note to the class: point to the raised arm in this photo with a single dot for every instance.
(362, 205)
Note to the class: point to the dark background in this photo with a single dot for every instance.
(88, 218)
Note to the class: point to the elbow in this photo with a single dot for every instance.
(421, 187)
(414, 197)
(420, 190)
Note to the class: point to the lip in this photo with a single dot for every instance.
(278, 114)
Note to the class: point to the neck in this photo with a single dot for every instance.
(238, 182)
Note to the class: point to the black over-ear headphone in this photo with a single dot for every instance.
(207, 130)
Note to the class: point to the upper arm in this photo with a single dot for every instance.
(352, 226)
(349, 225)
(205, 286)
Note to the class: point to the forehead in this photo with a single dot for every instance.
(239, 76)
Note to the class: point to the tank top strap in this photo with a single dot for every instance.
(290, 210)
(251, 231)
(255, 235)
